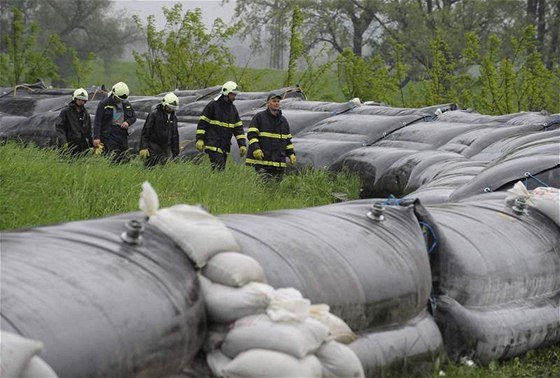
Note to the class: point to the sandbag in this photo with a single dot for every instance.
(337, 360)
(296, 338)
(261, 363)
(233, 269)
(225, 304)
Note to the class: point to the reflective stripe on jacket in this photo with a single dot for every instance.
(271, 134)
(218, 123)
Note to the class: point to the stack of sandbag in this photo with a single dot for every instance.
(254, 329)
(258, 331)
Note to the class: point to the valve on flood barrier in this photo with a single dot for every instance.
(133, 233)
(376, 212)
(519, 205)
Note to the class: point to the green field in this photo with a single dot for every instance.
(38, 187)
(250, 80)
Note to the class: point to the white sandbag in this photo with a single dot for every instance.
(338, 360)
(288, 304)
(259, 331)
(217, 361)
(199, 234)
(225, 304)
(260, 363)
(233, 269)
(544, 199)
(37, 368)
(338, 329)
(16, 353)
(547, 201)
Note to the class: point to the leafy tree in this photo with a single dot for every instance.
(183, 54)
(22, 61)
(86, 26)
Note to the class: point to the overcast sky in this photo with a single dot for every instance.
(211, 9)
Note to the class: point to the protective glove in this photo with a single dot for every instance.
(200, 145)
(99, 150)
(293, 159)
(144, 153)
(242, 151)
(258, 154)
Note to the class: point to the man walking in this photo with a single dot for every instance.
(113, 117)
(270, 141)
(73, 125)
(218, 123)
(160, 136)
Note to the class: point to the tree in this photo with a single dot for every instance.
(23, 61)
(82, 25)
(183, 55)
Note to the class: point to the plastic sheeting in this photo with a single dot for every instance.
(412, 348)
(497, 276)
(99, 306)
(369, 273)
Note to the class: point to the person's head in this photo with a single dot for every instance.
(273, 101)
(120, 91)
(80, 97)
(230, 90)
(170, 102)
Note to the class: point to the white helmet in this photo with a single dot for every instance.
(230, 87)
(171, 101)
(120, 90)
(80, 94)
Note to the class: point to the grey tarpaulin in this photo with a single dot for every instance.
(102, 307)
(497, 277)
(412, 348)
(370, 273)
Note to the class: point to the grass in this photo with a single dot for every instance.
(39, 186)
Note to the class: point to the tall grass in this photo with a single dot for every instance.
(39, 186)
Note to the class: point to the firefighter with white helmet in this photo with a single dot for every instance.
(160, 136)
(113, 118)
(218, 123)
(73, 125)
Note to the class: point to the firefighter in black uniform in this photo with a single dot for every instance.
(160, 136)
(113, 117)
(73, 125)
(270, 141)
(218, 123)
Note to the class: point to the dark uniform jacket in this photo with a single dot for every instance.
(271, 134)
(74, 128)
(103, 128)
(160, 134)
(218, 123)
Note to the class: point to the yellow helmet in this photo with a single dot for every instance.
(120, 90)
(171, 101)
(230, 87)
(80, 94)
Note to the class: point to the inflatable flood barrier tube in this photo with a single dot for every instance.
(369, 273)
(102, 307)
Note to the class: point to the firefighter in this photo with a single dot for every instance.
(160, 136)
(270, 141)
(73, 125)
(113, 118)
(218, 123)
